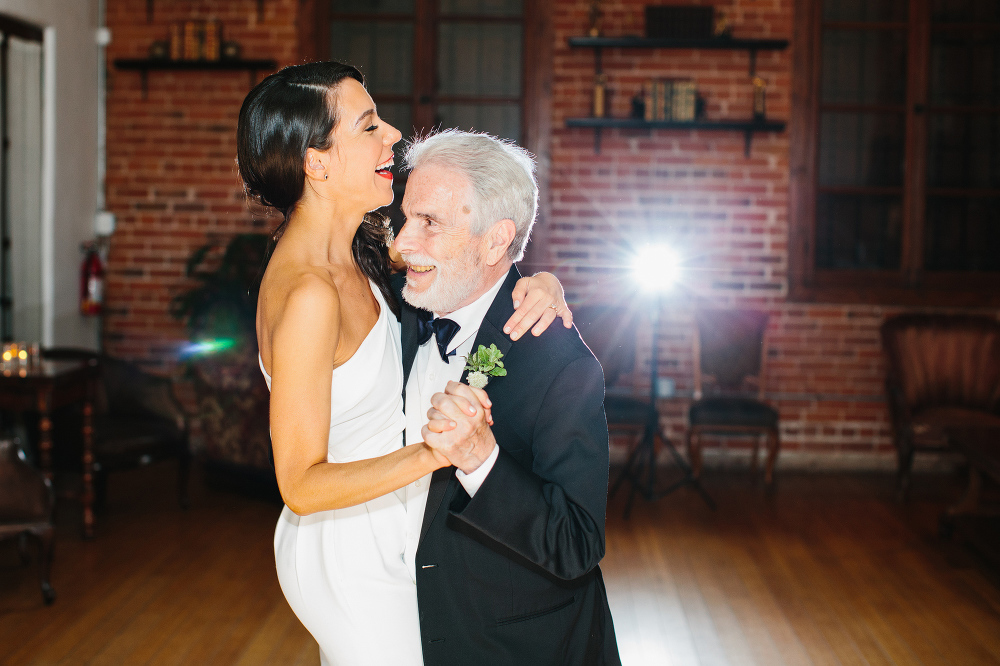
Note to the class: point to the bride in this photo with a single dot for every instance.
(311, 145)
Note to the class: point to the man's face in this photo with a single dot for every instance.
(443, 258)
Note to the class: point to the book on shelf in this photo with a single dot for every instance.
(670, 100)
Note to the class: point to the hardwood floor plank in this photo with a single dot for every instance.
(667, 636)
(829, 571)
(931, 634)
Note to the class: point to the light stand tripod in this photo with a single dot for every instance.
(640, 468)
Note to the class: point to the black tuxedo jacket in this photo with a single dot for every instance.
(510, 577)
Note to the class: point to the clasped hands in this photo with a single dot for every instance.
(458, 432)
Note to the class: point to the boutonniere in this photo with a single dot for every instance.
(483, 364)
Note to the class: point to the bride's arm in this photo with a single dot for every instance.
(538, 300)
(304, 338)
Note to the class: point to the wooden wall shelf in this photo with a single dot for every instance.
(748, 127)
(150, 10)
(718, 43)
(146, 65)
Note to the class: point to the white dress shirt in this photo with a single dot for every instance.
(429, 375)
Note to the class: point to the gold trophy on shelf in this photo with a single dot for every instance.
(595, 18)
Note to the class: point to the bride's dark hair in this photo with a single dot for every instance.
(287, 113)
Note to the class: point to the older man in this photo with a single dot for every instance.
(505, 544)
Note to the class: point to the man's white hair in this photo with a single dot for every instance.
(500, 173)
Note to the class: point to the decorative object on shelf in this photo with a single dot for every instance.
(600, 95)
(679, 22)
(672, 100)
(176, 43)
(595, 18)
(759, 98)
(211, 43)
(201, 40)
(159, 50)
(659, 101)
(682, 101)
(639, 104)
(191, 41)
(748, 127)
(722, 29)
(231, 51)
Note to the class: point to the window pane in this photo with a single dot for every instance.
(965, 10)
(479, 59)
(965, 68)
(372, 6)
(861, 149)
(865, 10)
(864, 67)
(383, 51)
(858, 232)
(503, 120)
(399, 115)
(481, 7)
(962, 234)
(963, 150)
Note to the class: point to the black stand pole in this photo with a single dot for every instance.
(640, 468)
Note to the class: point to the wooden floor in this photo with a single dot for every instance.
(827, 571)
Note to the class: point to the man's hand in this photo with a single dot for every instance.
(470, 442)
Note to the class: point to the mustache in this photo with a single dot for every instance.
(418, 260)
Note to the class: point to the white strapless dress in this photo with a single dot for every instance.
(342, 571)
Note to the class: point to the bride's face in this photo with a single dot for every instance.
(361, 154)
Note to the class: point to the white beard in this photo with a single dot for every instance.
(454, 283)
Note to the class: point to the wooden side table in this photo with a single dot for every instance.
(48, 385)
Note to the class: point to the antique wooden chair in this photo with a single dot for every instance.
(26, 503)
(610, 332)
(137, 421)
(943, 373)
(729, 384)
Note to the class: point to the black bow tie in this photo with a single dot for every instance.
(442, 329)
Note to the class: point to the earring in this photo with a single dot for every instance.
(326, 176)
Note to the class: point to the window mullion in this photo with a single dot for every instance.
(425, 64)
(915, 179)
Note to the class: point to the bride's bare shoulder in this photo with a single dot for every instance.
(296, 296)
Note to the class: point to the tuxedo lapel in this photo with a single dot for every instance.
(409, 340)
(490, 333)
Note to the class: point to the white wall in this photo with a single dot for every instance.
(70, 157)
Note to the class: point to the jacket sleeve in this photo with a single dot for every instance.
(553, 514)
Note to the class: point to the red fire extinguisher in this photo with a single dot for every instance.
(91, 283)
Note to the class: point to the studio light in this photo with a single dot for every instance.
(656, 267)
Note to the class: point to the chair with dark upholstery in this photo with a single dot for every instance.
(943, 373)
(137, 421)
(610, 332)
(729, 384)
(26, 503)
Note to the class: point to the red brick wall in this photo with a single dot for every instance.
(726, 213)
(173, 185)
(172, 180)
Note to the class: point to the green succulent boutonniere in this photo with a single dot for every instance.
(483, 364)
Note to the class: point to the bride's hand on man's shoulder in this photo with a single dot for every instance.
(538, 300)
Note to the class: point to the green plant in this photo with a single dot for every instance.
(220, 311)
(220, 359)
